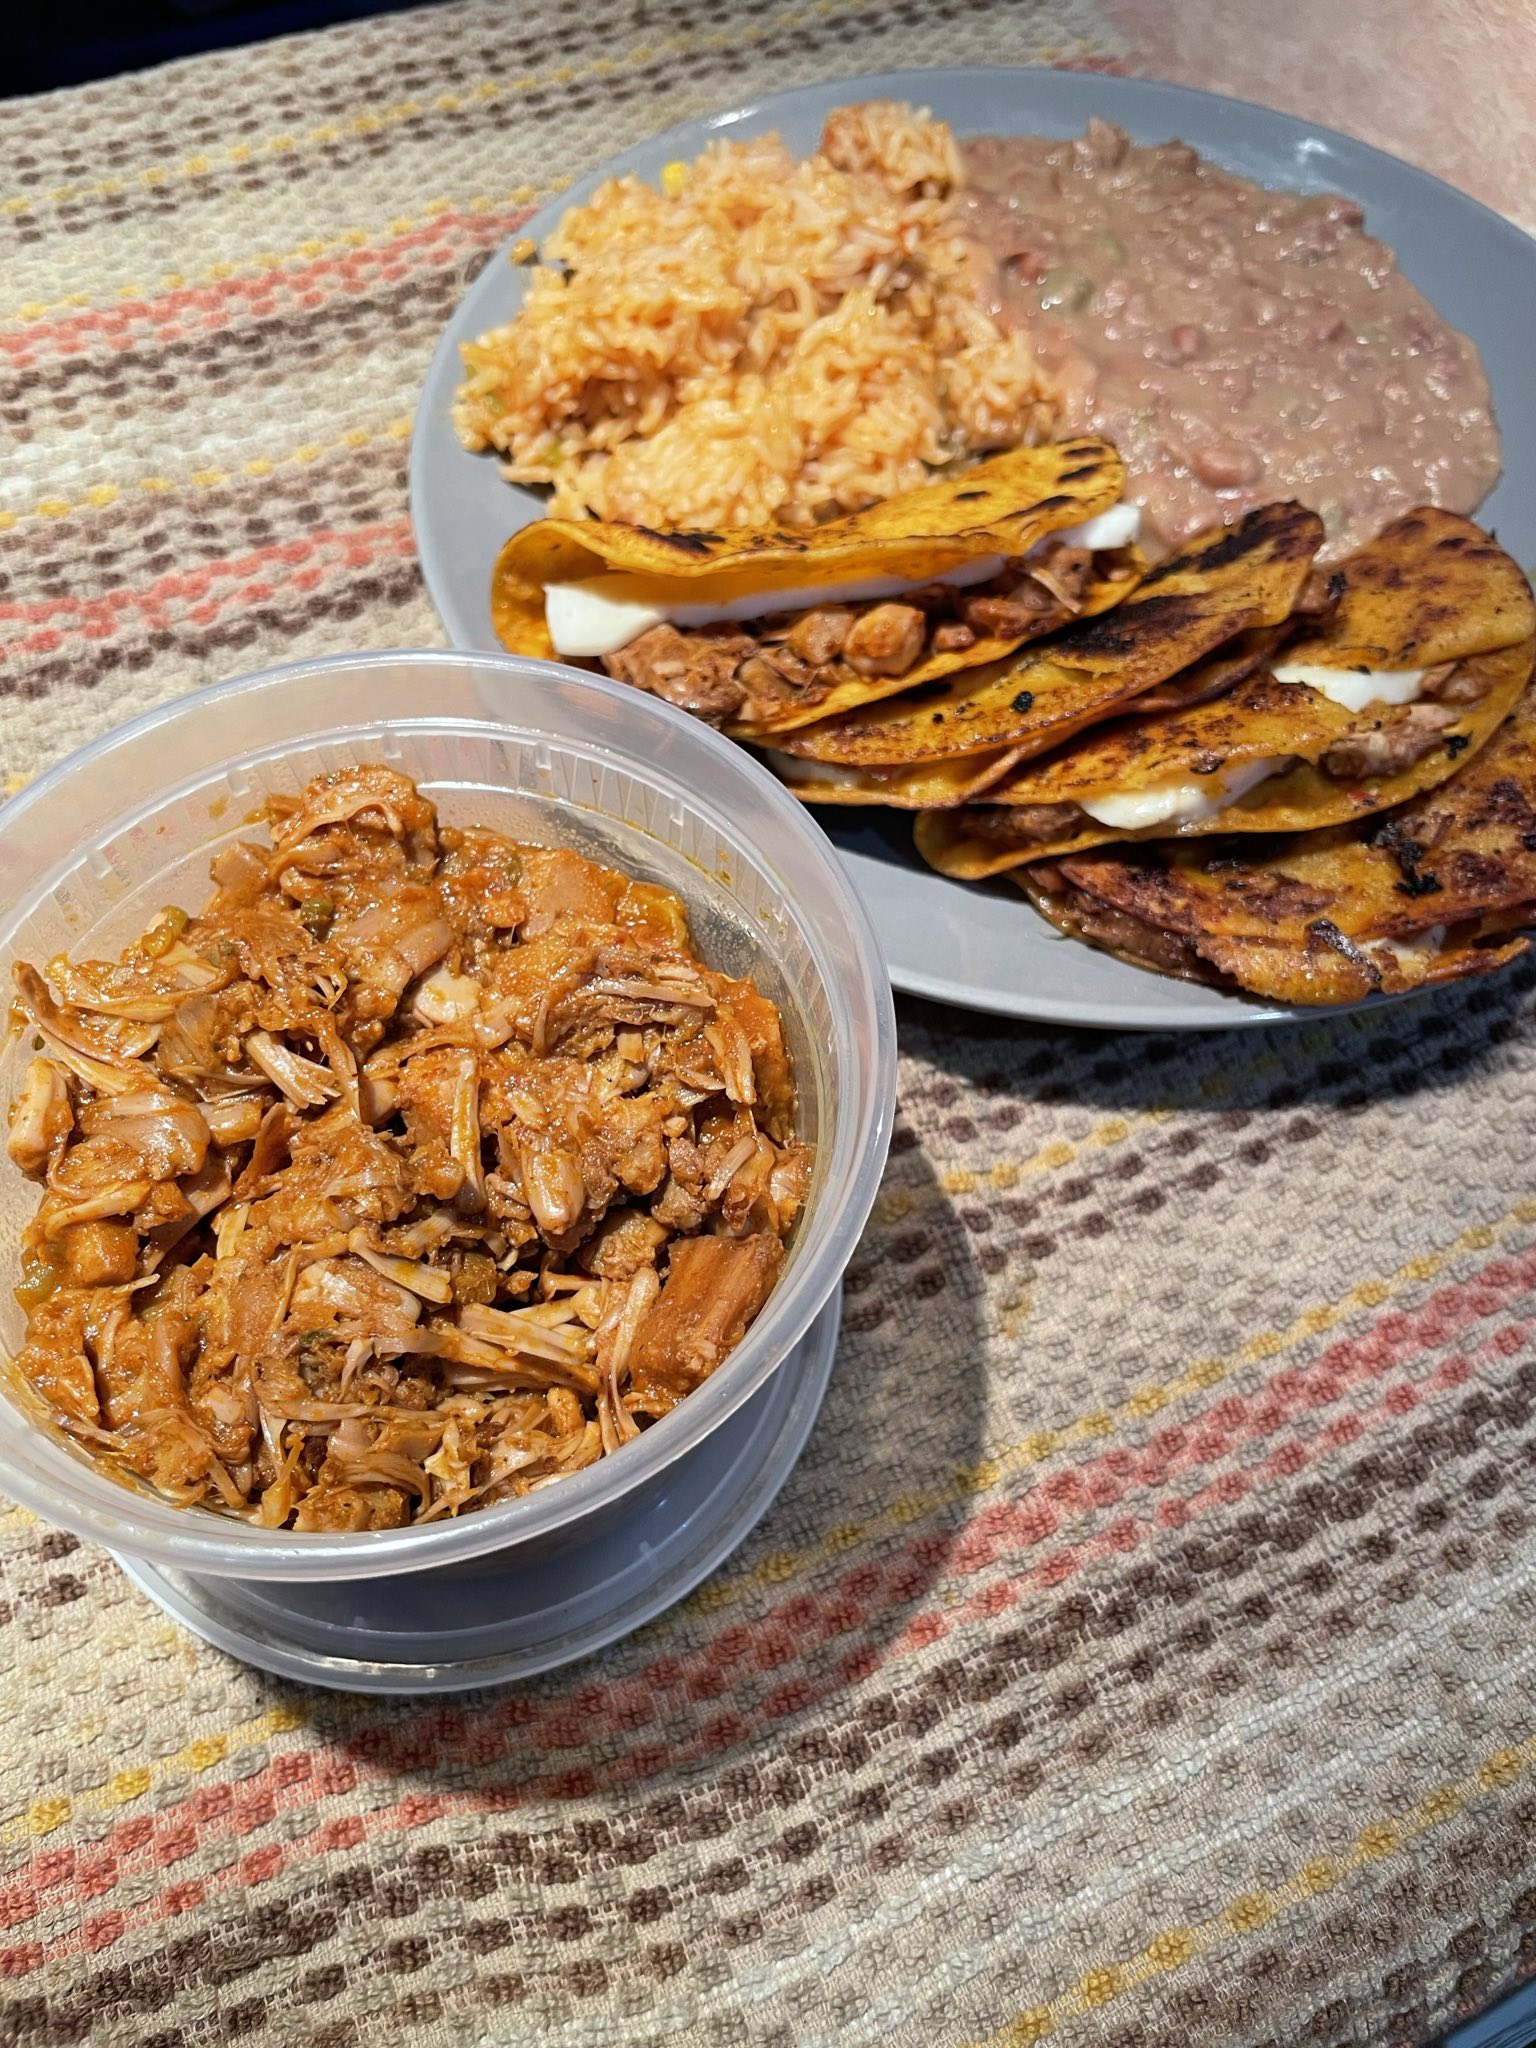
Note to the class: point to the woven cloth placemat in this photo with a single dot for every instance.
(1142, 1651)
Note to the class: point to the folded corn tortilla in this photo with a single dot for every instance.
(1433, 891)
(1220, 585)
(590, 588)
(1338, 727)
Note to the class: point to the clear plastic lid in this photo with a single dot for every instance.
(90, 851)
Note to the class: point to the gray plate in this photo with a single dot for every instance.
(983, 946)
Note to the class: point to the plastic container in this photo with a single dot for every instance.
(90, 851)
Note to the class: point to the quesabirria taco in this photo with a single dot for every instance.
(1433, 891)
(1427, 650)
(766, 630)
(1218, 586)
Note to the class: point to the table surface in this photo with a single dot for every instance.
(1143, 1650)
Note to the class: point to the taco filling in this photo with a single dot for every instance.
(1337, 727)
(748, 660)
(1439, 888)
(768, 629)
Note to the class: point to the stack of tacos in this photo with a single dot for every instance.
(1216, 766)
(1355, 814)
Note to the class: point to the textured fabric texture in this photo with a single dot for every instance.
(1141, 1654)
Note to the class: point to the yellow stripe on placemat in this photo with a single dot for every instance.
(368, 122)
(282, 259)
(155, 176)
(1050, 1158)
(134, 1781)
(1114, 1130)
(207, 479)
(1099, 1424)
(1246, 1912)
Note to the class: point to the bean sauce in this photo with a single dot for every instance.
(1238, 345)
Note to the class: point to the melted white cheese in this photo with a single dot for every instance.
(601, 614)
(1116, 528)
(1176, 803)
(604, 613)
(1423, 947)
(1351, 688)
(795, 770)
(583, 618)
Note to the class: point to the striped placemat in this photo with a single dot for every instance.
(1142, 1652)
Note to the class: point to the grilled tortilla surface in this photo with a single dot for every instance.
(1432, 892)
(1003, 506)
(1432, 592)
(1216, 587)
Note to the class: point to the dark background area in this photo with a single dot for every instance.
(69, 42)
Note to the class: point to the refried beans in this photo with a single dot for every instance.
(1237, 345)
